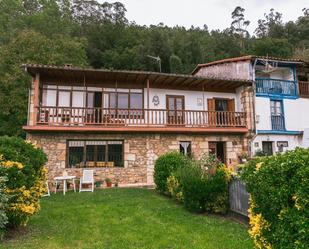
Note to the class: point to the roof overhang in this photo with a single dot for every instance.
(250, 58)
(156, 80)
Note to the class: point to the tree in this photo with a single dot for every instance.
(30, 47)
(239, 25)
(271, 26)
(175, 64)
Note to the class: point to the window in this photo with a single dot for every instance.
(97, 153)
(277, 117)
(276, 107)
(221, 105)
(185, 148)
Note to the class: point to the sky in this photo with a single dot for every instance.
(216, 14)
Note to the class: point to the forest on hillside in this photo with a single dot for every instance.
(98, 35)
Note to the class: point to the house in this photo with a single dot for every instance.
(119, 122)
(281, 101)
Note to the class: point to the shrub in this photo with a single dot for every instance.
(3, 206)
(165, 165)
(279, 205)
(205, 188)
(22, 163)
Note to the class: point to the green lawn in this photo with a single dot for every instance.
(125, 218)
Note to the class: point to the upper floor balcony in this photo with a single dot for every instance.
(140, 119)
(88, 100)
(268, 87)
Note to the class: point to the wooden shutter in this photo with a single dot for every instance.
(211, 104)
(231, 105)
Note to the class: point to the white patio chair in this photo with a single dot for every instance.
(87, 178)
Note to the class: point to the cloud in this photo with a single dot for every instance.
(216, 14)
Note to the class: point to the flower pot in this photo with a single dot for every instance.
(108, 184)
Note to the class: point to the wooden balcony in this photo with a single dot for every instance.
(100, 119)
(276, 87)
(303, 88)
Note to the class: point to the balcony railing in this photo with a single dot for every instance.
(303, 89)
(277, 87)
(63, 116)
(277, 122)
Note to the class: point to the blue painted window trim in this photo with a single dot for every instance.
(279, 132)
(282, 110)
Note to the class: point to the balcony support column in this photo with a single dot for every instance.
(148, 83)
(36, 92)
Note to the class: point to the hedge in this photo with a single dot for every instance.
(279, 205)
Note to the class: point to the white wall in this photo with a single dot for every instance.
(262, 112)
(296, 113)
(191, 98)
(293, 142)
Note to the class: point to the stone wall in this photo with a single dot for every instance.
(140, 152)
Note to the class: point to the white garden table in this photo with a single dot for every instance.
(65, 179)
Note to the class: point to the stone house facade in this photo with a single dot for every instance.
(119, 122)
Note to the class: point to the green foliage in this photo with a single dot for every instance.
(272, 47)
(98, 34)
(3, 206)
(279, 190)
(201, 185)
(22, 163)
(205, 185)
(165, 165)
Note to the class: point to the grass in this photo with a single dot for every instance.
(122, 219)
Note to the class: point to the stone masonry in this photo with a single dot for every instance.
(140, 152)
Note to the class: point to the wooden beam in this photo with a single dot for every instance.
(36, 93)
(130, 129)
(148, 85)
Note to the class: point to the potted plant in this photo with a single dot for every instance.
(98, 184)
(108, 182)
(77, 181)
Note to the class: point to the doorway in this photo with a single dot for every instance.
(267, 148)
(218, 149)
(175, 106)
(97, 104)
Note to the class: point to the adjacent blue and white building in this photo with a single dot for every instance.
(280, 110)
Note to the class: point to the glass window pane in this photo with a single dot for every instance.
(115, 154)
(90, 155)
(49, 97)
(64, 99)
(77, 99)
(101, 150)
(112, 100)
(136, 101)
(76, 157)
(90, 100)
(123, 101)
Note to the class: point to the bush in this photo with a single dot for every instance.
(22, 163)
(3, 207)
(201, 185)
(279, 205)
(165, 165)
(205, 185)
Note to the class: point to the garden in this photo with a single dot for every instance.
(188, 209)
